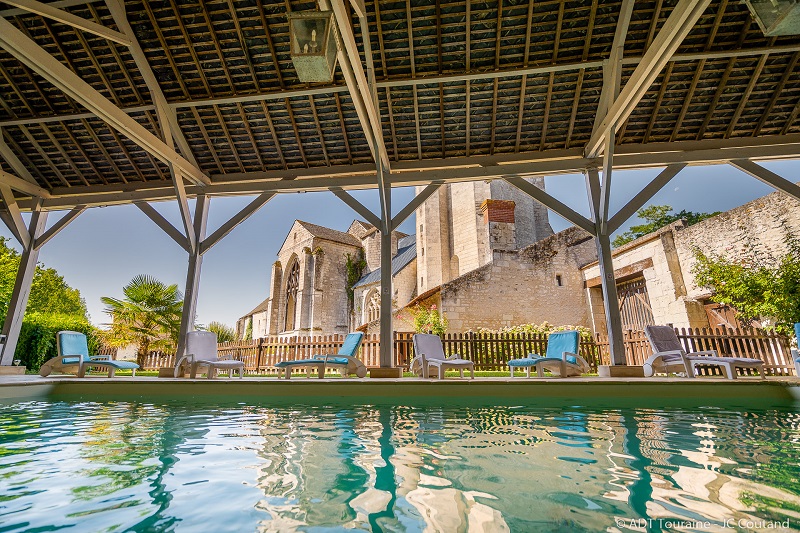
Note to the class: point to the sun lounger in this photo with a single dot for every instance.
(345, 360)
(430, 354)
(561, 357)
(73, 356)
(201, 354)
(669, 356)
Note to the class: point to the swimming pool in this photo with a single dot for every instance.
(266, 466)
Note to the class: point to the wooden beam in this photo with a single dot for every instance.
(22, 185)
(234, 221)
(551, 203)
(417, 201)
(164, 224)
(357, 206)
(6, 13)
(59, 15)
(638, 201)
(767, 176)
(680, 22)
(350, 60)
(166, 115)
(612, 70)
(17, 225)
(41, 62)
(58, 226)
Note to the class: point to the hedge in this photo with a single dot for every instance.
(37, 338)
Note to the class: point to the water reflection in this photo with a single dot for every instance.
(161, 467)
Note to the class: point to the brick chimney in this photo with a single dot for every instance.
(498, 215)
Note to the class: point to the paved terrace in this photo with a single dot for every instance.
(651, 391)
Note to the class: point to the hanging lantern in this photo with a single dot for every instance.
(776, 17)
(313, 45)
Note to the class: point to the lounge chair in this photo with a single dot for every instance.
(201, 353)
(669, 356)
(561, 357)
(73, 355)
(430, 354)
(345, 360)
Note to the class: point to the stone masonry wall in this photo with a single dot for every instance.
(521, 287)
(759, 227)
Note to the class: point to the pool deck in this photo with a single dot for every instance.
(773, 389)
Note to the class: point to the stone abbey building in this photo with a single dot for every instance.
(460, 229)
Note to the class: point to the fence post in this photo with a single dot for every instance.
(260, 355)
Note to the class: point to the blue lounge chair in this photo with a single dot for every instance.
(73, 355)
(345, 360)
(796, 353)
(561, 357)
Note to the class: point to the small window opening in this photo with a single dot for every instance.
(559, 281)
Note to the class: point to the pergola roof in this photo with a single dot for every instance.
(458, 84)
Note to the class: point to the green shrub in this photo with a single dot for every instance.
(545, 328)
(37, 338)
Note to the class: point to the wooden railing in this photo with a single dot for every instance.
(772, 348)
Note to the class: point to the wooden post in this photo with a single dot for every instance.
(193, 272)
(22, 285)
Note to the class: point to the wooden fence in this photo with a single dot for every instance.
(491, 351)
(772, 348)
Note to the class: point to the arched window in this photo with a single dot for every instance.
(292, 283)
(373, 307)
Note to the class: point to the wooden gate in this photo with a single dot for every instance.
(634, 305)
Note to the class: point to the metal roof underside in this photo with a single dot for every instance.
(224, 67)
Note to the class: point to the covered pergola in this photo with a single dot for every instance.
(107, 102)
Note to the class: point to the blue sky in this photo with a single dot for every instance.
(105, 247)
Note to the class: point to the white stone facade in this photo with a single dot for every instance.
(665, 258)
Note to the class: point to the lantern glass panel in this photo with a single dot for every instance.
(309, 36)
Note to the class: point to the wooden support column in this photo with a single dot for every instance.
(386, 327)
(193, 272)
(22, 285)
(598, 202)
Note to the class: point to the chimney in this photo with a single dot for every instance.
(498, 215)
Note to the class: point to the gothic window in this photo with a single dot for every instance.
(292, 283)
(373, 307)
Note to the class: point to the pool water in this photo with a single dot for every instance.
(164, 466)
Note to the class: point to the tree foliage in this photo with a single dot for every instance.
(53, 306)
(656, 217)
(758, 286)
(50, 293)
(224, 332)
(248, 329)
(425, 319)
(149, 316)
(355, 265)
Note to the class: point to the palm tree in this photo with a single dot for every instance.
(149, 315)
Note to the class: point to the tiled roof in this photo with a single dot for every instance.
(259, 308)
(406, 252)
(330, 234)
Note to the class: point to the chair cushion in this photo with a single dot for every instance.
(73, 343)
(338, 361)
(525, 361)
(351, 344)
(563, 341)
(299, 362)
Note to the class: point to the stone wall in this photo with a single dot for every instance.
(757, 228)
(521, 286)
(665, 258)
